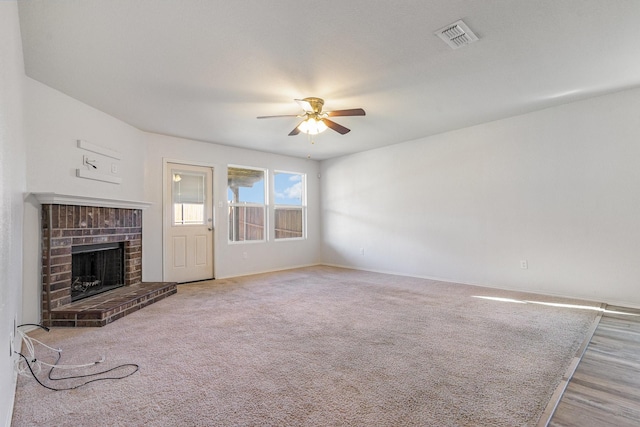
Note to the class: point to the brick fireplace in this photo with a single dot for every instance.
(66, 226)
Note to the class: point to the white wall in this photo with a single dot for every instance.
(559, 188)
(229, 259)
(12, 187)
(55, 123)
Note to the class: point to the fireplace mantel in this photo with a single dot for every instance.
(65, 199)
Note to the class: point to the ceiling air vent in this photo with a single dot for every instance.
(457, 35)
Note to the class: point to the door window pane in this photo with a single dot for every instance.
(189, 193)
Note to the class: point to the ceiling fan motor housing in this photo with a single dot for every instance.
(315, 103)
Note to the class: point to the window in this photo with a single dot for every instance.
(290, 205)
(189, 191)
(247, 203)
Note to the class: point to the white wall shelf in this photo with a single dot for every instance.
(97, 149)
(80, 173)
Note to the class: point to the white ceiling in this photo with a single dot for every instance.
(204, 70)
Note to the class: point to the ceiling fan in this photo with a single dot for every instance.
(315, 120)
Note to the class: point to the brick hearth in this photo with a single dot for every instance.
(65, 226)
(104, 308)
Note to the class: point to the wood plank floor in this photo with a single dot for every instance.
(605, 387)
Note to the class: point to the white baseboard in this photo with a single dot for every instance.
(268, 271)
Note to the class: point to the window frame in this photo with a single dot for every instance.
(264, 206)
(302, 207)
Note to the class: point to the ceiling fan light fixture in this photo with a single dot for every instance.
(316, 121)
(312, 126)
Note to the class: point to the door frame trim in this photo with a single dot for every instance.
(165, 222)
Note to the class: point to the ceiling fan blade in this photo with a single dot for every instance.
(282, 115)
(350, 112)
(338, 128)
(295, 131)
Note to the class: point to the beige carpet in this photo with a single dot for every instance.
(318, 346)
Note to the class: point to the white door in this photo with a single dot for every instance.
(188, 223)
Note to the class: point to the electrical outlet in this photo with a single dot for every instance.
(361, 251)
(11, 349)
(524, 264)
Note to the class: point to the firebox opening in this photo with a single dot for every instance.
(96, 269)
